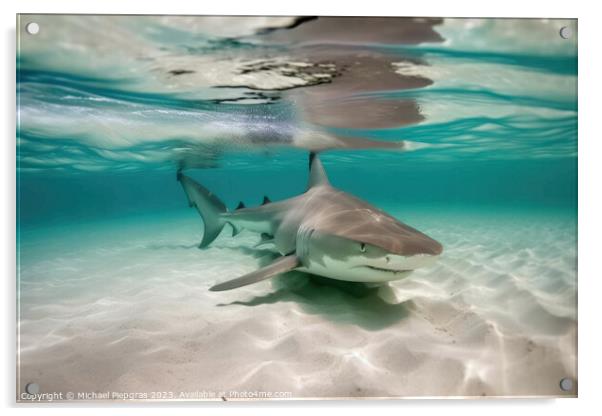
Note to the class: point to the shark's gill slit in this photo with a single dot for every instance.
(303, 244)
(307, 241)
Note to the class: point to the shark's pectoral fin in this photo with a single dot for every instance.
(281, 265)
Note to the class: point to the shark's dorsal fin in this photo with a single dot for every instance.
(266, 200)
(241, 205)
(317, 174)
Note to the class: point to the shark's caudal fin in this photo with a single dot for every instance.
(208, 205)
(317, 174)
(281, 265)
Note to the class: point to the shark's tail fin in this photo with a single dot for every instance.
(209, 206)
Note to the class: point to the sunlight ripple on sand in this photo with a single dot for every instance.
(127, 309)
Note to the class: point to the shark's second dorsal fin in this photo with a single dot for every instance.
(317, 174)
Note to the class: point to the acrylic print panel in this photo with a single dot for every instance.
(234, 208)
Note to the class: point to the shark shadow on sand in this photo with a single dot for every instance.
(338, 301)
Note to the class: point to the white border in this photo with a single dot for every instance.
(590, 207)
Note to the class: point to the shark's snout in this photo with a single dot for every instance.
(431, 247)
(416, 244)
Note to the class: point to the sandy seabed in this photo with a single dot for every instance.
(123, 307)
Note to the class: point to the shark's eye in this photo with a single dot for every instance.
(363, 247)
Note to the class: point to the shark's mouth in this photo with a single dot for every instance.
(380, 269)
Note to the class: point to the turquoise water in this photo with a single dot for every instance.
(522, 185)
(103, 126)
(519, 159)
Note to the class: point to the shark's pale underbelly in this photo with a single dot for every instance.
(357, 274)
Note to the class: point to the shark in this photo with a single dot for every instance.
(323, 231)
